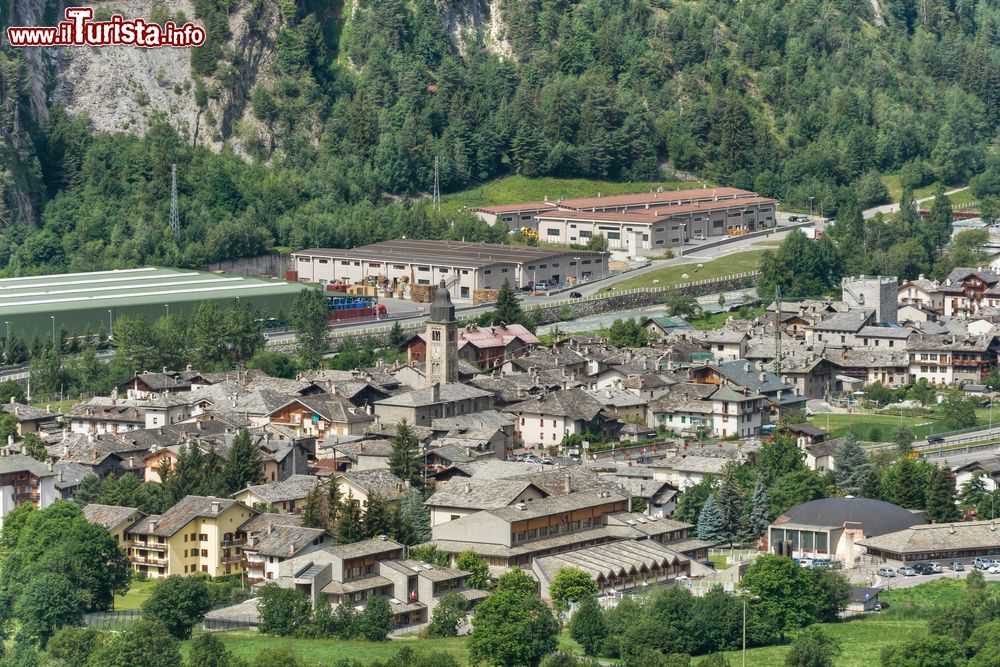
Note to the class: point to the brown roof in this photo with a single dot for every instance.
(181, 515)
(654, 198)
(516, 208)
(651, 215)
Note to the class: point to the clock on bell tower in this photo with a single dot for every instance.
(442, 339)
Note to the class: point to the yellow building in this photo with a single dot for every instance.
(198, 534)
(113, 517)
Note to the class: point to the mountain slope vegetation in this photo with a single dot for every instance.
(795, 99)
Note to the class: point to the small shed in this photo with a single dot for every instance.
(862, 599)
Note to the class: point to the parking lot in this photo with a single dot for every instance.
(903, 581)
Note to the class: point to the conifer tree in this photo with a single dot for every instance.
(760, 510)
(404, 460)
(244, 465)
(507, 309)
(907, 490)
(711, 523)
(349, 522)
(852, 465)
(941, 496)
(729, 501)
(417, 514)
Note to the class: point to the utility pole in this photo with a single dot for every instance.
(437, 184)
(175, 216)
(777, 331)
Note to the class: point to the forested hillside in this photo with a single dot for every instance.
(351, 104)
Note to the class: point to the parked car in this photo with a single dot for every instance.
(981, 563)
(821, 562)
(934, 440)
(880, 606)
(886, 572)
(906, 571)
(957, 566)
(575, 295)
(994, 569)
(797, 218)
(935, 567)
(923, 568)
(806, 562)
(541, 287)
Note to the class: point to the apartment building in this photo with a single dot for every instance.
(352, 573)
(113, 517)
(23, 480)
(271, 539)
(546, 420)
(106, 416)
(966, 291)
(420, 407)
(486, 347)
(921, 292)
(198, 534)
(512, 536)
(947, 359)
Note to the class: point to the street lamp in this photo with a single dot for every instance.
(53, 330)
(811, 206)
(6, 345)
(110, 323)
(167, 306)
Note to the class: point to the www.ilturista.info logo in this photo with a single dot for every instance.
(79, 30)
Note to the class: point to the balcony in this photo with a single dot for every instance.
(149, 560)
(19, 498)
(139, 544)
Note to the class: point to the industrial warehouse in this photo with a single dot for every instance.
(635, 223)
(465, 267)
(89, 302)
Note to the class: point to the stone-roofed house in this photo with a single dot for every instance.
(322, 415)
(840, 330)
(725, 345)
(950, 359)
(883, 337)
(361, 485)
(288, 496)
(23, 480)
(271, 539)
(353, 573)
(659, 327)
(960, 541)
(422, 406)
(489, 433)
(149, 386)
(890, 367)
(460, 498)
(29, 418)
(198, 534)
(965, 291)
(69, 476)
(566, 359)
(684, 471)
(113, 517)
(743, 374)
(355, 453)
(546, 420)
(625, 405)
(484, 346)
(103, 415)
(103, 454)
(683, 408)
(507, 389)
(920, 293)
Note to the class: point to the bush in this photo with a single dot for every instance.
(375, 621)
(448, 616)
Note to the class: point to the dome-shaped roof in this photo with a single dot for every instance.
(876, 517)
(442, 309)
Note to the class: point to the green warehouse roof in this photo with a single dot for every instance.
(80, 302)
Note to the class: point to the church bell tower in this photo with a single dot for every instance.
(442, 339)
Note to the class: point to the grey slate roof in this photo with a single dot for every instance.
(555, 505)
(12, 463)
(575, 404)
(27, 413)
(377, 481)
(109, 516)
(612, 559)
(181, 514)
(448, 393)
(284, 540)
(938, 537)
(478, 494)
(295, 487)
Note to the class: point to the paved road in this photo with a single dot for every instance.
(892, 208)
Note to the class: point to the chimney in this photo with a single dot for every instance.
(435, 392)
(566, 484)
(153, 524)
(468, 487)
(164, 370)
(50, 466)
(291, 548)
(746, 367)
(188, 368)
(216, 507)
(762, 377)
(94, 455)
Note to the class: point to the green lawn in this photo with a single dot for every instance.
(138, 593)
(738, 262)
(862, 641)
(961, 198)
(839, 423)
(327, 651)
(716, 320)
(519, 189)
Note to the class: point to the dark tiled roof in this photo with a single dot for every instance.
(109, 516)
(182, 514)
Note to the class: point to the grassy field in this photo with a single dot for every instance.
(519, 189)
(716, 320)
(962, 198)
(671, 275)
(862, 641)
(327, 651)
(138, 592)
(862, 423)
(896, 190)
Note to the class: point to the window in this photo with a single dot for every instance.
(204, 553)
(587, 261)
(436, 335)
(345, 263)
(717, 224)
(585, 234)
(399, 267)
(423, 269)
(645, 237)
(555, 265)
(543, 266)
(614, 236)
(203, 537)
(442, 270)
(552, 232)
(488, 272)
(504, 270)
(660, 242)
(324, 261)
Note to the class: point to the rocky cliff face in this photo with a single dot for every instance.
(123, 89)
